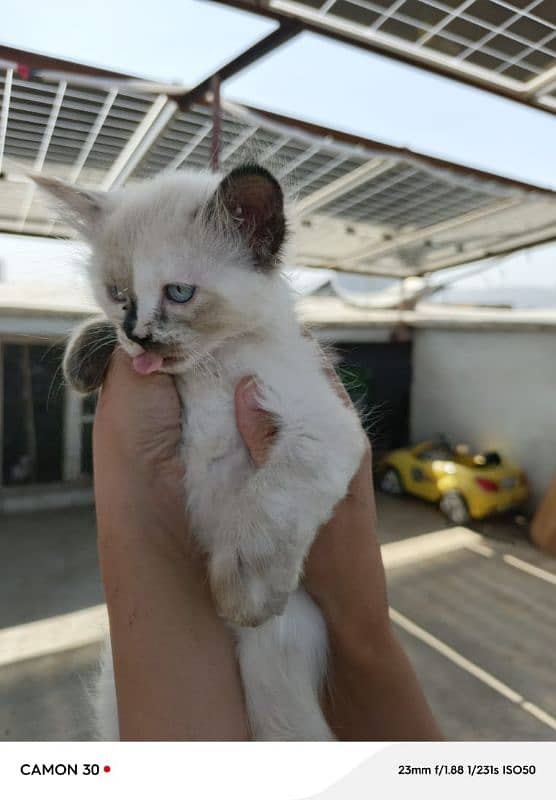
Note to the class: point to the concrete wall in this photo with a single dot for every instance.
(495, 389)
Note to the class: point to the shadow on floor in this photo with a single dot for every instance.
(48, 564)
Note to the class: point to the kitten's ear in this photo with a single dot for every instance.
(250, 199)
(84, 209)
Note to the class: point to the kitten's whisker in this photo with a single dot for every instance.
(57, 374)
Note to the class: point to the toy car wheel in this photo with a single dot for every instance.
(454, 507)
(390, 482)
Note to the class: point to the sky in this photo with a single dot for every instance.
(311, 77)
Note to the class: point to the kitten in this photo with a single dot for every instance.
(187, 271)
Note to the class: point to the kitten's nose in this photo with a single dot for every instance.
(130, 324)
(144, 341)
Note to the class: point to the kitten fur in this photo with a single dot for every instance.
(225, 236)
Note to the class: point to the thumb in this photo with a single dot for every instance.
(256, 426)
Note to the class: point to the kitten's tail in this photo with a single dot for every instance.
(283, 665)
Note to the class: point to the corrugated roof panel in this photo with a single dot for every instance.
(361, 206)
(506, 45)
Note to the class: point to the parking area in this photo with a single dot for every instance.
(475, 610)
(473, 607)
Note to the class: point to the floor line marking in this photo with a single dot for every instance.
(541, 715)
(525, 566)
(448, 540)
(428, 545)
(513, 561)
(473, 669)
(481, 549)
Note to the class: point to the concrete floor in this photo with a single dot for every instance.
(48, 567)
(497, 619)
(500, 618)
(45, 699)
(48, 564)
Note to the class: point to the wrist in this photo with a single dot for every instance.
(358, 630)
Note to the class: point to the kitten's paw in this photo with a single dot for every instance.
(249, 598)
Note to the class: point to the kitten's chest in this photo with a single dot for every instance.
(209, 429)
(217, 463)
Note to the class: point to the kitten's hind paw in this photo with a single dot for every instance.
(249, 598)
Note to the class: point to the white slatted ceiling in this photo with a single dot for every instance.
(82, 134)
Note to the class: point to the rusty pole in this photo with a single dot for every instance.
(216, 123)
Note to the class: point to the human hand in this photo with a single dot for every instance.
(175, 665)
(136, 446)
(141, 416)
(155, 593)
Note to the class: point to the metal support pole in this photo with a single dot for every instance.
(216, 123)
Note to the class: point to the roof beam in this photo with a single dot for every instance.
(43, 150)
(38, 61)
(343, 185)
(163, 109)
(292, 165)
(156, 118)
(286, 31)
(5, 112)
(34, 61)
(93, 135)
(503, 248)
(238, 142)
(369, 147)
(312, 21)
(107, 84)
(320, 173)
(186, 151)
(543, 82)
(507, 247)
(88, 146)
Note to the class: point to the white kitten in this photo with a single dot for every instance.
(186, 269)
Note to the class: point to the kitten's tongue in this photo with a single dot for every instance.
(147, 362)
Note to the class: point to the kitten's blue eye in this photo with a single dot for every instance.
(117, 295)
(179, 292)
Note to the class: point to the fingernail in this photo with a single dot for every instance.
(250, 396)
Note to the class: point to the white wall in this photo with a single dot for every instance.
(493, 389)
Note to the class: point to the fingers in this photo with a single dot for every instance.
(138, 408)
(120, 366)
(120, 376)
(122, 379)
(257, 427)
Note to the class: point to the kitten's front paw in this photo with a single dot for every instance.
(247, 597)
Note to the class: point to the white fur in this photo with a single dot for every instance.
(255, 525)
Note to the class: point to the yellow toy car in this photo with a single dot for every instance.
(464, 485)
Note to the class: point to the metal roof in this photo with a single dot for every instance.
(361, 206)
(506, 46)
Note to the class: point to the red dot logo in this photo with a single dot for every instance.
(107, 768)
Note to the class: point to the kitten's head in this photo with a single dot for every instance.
(183, 263)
